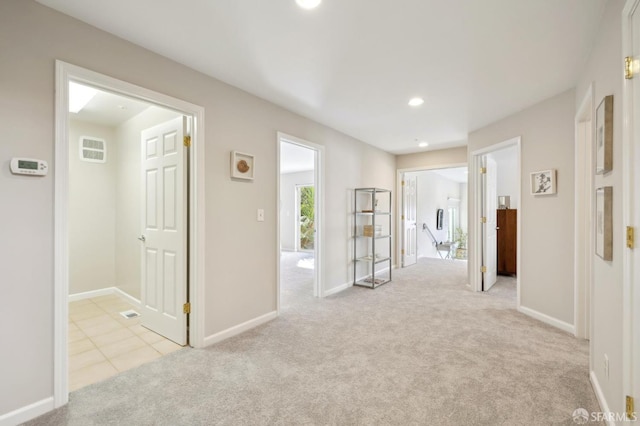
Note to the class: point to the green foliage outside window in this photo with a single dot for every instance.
(307, 217)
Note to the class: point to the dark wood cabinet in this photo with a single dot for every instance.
(507, 241)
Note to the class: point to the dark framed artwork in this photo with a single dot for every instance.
(439, 218)
(604, 136)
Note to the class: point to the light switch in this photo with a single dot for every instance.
(260, 215)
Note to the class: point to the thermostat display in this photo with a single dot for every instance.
(28, 166)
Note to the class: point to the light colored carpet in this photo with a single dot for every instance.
(421, 350)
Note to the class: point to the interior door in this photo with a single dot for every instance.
(409, 213)
(164, 225)
(490, 240)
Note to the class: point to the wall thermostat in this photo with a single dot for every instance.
(29, 166)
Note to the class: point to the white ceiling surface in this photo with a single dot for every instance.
(353, 65)
(295, 158)
(108, 109)
(456, 174)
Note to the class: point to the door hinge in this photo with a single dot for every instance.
(402, 183)
(483, 269)
(483, 220)
(628, 68)
(483, 170)
(402, 251)
(187, 141)
(402, 217)
(631, 412)
(631, 241)
(186, 308)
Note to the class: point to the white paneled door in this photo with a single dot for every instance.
(409, 213)
(164, 230)
(490, 242)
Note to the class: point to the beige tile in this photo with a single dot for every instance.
(76, 335)
(150, 337)
(92, 322)
(73, 327)
(122, 347)
(107, 298)
(138, 329)
(85, 359)
(135, 358)
(91, 374)
(74, 308)
(104, 327)
(80, 346)
(112, 337)
(166, 346)
(82, 302)
(115, 305)
(89, 313)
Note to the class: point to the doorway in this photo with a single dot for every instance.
(495, 185)
(433, 214)
(193, 209)
(299, 221)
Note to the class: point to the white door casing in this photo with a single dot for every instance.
(164, 230)
(490, 203)
(409, 214)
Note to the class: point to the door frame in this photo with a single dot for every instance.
(64, 73)
(630, 217)
(584, 211)
(475, 213)
(318, 178)
(400, 206)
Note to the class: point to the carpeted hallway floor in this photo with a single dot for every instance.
(422, 350)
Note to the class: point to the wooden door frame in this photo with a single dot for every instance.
(474, 255)
(64, 73)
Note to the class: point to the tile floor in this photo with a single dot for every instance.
(103, 343)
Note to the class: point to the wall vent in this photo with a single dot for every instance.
(93, 149)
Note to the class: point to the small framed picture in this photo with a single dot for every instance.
(543, 182)
(604, 136)
(242, 165)
(604, 222)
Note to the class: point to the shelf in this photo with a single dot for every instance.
(370, 259)
(372, 190)
(370, 283)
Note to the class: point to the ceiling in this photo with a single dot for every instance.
(353, 65)
(295, 158)
(108, 109)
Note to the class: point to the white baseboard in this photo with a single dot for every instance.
(338, 289)
(569, 328)
(240, 328)
(104, 292)
(604, 407)
(90, 294)
(27, 413)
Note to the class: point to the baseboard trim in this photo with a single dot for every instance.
(569, 328)
(338, 289)
(604, 407)
(27, 413)
(240, 328)
(90, 294)
(105, 292)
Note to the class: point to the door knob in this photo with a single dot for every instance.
(142, 238)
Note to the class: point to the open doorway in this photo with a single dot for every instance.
(434, 214)
(299, 219)
(164, 184)
(495, 185)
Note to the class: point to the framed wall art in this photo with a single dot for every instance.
(543, 182)
(604, 222)
(604, 136)
(242, 165)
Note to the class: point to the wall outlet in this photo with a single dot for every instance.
(260, 215)
(606, 366)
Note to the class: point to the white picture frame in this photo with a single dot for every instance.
(242, 166)
(543, 182)
(604, 136)
(604, 222)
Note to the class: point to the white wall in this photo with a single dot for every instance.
(91, 212)
(507, 173)
(235, 120)
(288, 184)
(604, 69)
(433, 191)
(546, 275)
(128, 181)
(433, 159)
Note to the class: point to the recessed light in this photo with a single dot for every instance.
(308, 4)
(423, 144)
(414, 102)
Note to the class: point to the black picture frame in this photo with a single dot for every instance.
(439, 218)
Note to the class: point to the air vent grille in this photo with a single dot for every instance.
(93, 149)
